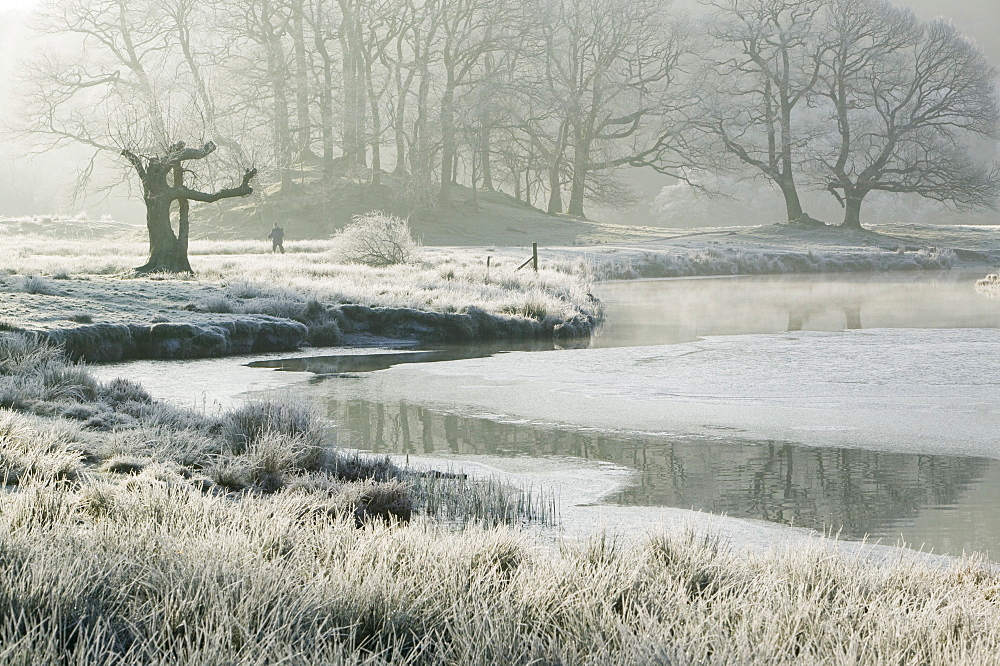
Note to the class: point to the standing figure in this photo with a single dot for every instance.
(277, 235)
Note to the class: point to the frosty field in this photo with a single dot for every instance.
(780, 408)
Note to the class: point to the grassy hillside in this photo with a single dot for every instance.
(315, 208)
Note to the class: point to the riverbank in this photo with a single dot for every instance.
(136, 532)
(779, 249)
(78, 294)
(245, 300)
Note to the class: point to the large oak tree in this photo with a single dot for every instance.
(905, 100)
(162, 178)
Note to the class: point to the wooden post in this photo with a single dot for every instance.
(488, 269)
(534, 256)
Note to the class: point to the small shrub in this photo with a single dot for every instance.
(273, 456)
(231, 472)
(355, 467)
(375, 239)
(120, 390)
(27, 354)
(79, 412)
(82, 318)
(97, 499)
(327, 334)
(69, 382)
(36, 284)
(387, 502)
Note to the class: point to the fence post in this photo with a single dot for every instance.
(534, 256)
(488, 269)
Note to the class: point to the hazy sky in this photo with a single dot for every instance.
(978, 18)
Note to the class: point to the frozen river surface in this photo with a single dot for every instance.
(915, 391)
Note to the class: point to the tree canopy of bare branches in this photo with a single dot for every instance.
(903, 99)
(544, 99)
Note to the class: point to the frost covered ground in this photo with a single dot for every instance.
(784, 248)
(244, 300)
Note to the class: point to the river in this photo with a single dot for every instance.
(863, 405)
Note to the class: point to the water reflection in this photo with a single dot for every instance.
(854, 491)
(944, 502)
(656, 312)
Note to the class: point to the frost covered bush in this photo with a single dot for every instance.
(375, 239)
(36, 284)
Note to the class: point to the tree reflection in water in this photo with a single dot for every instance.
(854, 491)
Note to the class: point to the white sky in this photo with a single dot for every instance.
(978, 18)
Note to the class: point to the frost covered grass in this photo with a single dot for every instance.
(135, 532)
(989, 285)
(35, 284)
(659, 262)
(149, 572)
(439, 280)
(58, 423)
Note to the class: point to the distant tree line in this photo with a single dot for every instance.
(544, 99)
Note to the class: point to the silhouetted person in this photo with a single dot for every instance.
(277, 235)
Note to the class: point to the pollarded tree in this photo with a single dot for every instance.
(116, 89)
(905, 99)
(162, 178)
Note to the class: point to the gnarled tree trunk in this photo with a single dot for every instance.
(167, 250)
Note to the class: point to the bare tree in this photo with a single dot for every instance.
(382, 22)
(761, 67)
(905, 99)
(167, 250)
(112, 66)
(119, 96)
(470, 30)
(612, 62)
(320, 24)
(267, 23)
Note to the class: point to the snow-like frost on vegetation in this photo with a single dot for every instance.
(989, 285)
(375, 239)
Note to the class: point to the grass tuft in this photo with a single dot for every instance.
(36, 284)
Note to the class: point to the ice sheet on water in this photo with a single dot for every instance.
(930, 390)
